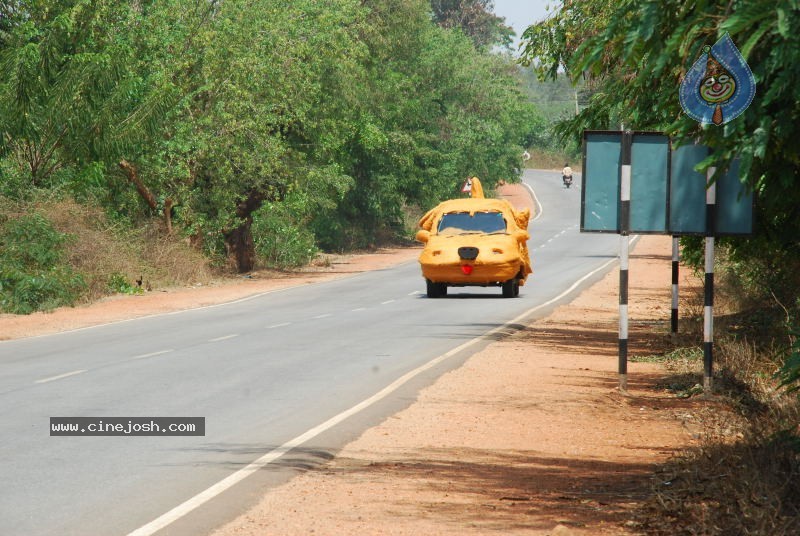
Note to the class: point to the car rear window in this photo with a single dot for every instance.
(466, 223)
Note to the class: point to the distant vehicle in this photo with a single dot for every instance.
(474, 242)
(566, 175)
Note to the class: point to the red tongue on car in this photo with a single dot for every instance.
(466, 268)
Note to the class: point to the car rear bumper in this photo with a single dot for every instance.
(482, 274)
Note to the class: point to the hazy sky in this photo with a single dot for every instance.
(520, 14)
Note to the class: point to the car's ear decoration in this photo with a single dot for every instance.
(473, 187)
(522, 217)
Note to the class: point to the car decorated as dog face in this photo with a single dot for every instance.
(474, 242)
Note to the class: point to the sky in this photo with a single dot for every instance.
(520, 14)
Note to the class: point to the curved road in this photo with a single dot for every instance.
(281, 370)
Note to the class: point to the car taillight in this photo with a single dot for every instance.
(466, 268)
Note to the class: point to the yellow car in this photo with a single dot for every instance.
(474, 242)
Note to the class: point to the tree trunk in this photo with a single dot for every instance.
(239, 242)
(168, 214)
(241, 247)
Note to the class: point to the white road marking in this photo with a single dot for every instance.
(152, 354)
(359, 309)
(236, 477)
(387, 301)
(224, 337)
(536, 200)
(414, 293)
(281, 325)
(326, 315)
(60, 376)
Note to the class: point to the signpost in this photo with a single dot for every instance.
(635, 182)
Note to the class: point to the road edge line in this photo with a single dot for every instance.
(539, 208)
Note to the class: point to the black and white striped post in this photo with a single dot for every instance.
(624, 224)
(676, 259)
(708, 310)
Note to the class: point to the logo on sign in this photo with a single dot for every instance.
(719, 86)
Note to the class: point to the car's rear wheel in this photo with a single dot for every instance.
(511, 288)
(435, 290)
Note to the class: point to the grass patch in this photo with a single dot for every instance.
(743, 479)
(554, 160)
(114, 256)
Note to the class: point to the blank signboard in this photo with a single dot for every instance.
(687, 214)
(649, 183)
(601, 182)
(600, 194)
(667, 195)
(734, 201)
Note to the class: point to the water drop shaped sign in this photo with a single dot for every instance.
(719, 86)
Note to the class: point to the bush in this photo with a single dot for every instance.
(34, 275)
(280, 241)
(119, 284)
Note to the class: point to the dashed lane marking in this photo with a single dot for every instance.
(60, 376)
(152, 354)
(224, 337)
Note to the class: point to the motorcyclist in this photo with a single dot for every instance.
(566, 175)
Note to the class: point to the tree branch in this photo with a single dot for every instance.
(143, 190)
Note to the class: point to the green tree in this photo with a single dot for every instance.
(476, 19)
(433, 110)
(247, 125)
(637, 52)
(336, 114)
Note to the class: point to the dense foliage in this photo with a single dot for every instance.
(633, 55)
(319, 121)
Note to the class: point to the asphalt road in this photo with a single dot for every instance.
(262, 371)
